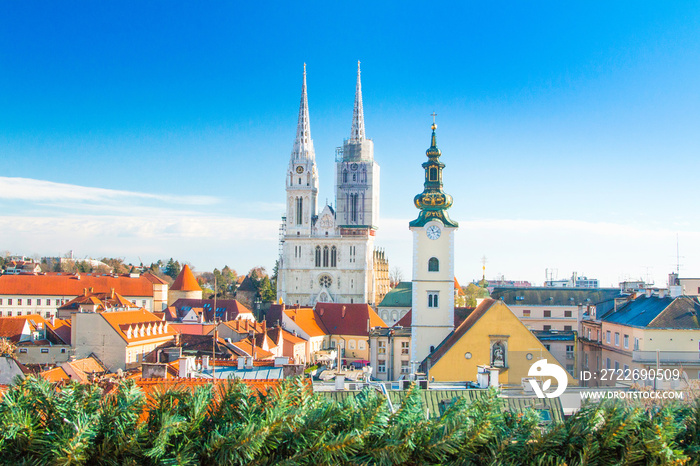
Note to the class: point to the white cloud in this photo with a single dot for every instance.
(27, 189)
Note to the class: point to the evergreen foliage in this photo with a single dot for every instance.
(228, 423)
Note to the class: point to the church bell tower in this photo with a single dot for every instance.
(433, 260)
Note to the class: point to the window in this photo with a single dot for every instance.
(44, 350)
(143, 303)
(325, 281)
(626, 341)
(361, 345)
(351, 344)
(38, 301)
(334, 257)
(29, 301)
(404, 347)
(567, 313)
(381, 366)
(345, 176)
(570, 369)
(353, 207)
(617, 365)
(318, 256)
(617, 339)
(325, 256)
(526, 313)
(625, 367)
(636, 344)
(19, 302)
(23, 351)
(607, 338)
(9, 313)
(332, 343)
(433, 299)
(548, 313)
(608, 365)
(546, 328)
(300, 205)
(9, 302)
(546, 347)
(405, 368)
(433, 174)
(63, 351)
(382, 347)
(48, 314)
(433, 265)
(589, 334)
(569, 348)
(567, 328)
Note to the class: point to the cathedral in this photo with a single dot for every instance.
(329, 256)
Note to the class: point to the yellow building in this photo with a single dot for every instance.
(492, 335)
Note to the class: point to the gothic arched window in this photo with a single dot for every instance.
(318, 256)
(433, 265)
(334, 257)
(345, 176)
(325, 256)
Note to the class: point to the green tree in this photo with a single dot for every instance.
(172, 269)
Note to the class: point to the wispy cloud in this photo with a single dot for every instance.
(48, 192)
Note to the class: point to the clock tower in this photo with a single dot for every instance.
(433, 260)
(302, 177)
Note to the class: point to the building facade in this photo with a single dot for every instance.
(329, 256)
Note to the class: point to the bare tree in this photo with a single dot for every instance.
(395, 276)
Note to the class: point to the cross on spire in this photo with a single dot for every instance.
(434, 115)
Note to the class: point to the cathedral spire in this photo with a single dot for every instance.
(303, 144)
(358, 118)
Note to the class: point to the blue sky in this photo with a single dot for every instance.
(157, 129)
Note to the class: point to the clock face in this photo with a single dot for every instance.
(300, 169)
(353, 166)
(433, 232)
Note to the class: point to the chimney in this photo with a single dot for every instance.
(112, 293)
(342, 312)
(320, 312)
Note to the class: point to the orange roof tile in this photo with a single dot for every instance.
(12, 327)
(243, 326)
(246, 346)
(61, 284)
(122, 321)
(55, 375)
(87, 365)
(459, 289)
(185, 281)
(305, 318)
(348, 319)
(62, 329)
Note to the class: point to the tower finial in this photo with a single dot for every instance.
(357, 133)
(303, 145)
(433, 151)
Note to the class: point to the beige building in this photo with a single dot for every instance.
(121, 339)
(35, 340)
(549, 308)
(390, 352)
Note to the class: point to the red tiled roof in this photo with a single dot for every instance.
(243, 326)
(121, 321)
(61, 284)
(12, 327)
(185, 281)
(288, 336)
(348, 319)
(62, 329)
(459, 289)
(103, 301)
(154, 279)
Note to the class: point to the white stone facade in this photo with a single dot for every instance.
(328, 256)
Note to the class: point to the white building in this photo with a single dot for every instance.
(328, 256)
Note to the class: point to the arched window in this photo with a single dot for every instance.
(325, 256)
(433, 265)
(300, 206)
(433, 174)
(345, 176)
(318, 256)
(334, 257)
